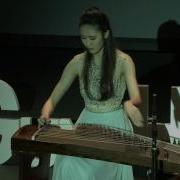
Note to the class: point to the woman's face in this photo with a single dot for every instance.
(92, 38)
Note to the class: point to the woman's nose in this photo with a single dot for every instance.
(88, 43)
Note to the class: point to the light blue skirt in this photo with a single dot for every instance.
(76, 168)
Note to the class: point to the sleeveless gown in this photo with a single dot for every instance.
(109, 112)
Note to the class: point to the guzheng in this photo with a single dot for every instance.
(97, 142)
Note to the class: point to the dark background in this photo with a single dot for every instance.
(37, 39)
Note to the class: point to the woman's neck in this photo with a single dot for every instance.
(97, 58)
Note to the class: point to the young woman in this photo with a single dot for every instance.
(104, 72)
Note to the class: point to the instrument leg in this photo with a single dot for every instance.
(37, 173)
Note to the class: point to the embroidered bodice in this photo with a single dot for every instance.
(112, 103)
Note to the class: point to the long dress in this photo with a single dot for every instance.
(109, 112)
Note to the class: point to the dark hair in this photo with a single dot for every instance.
(93, 16)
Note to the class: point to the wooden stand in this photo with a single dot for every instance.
(26, 172)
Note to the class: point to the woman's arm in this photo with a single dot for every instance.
(130, 105)
(130, 77)
(70, 72)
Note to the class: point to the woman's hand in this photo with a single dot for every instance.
(46, 111)
(134, 114)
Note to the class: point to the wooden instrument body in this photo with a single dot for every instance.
(69, 142)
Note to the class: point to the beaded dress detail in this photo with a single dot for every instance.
(92, 104)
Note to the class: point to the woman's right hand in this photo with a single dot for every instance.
(46, 111)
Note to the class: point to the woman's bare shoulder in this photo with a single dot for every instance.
(77, 61)
(124, 58)
(79, 58)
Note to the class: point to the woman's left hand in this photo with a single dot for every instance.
(134, 114)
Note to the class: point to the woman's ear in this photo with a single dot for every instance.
(106, 34)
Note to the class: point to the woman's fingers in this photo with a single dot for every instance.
(43, 120)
